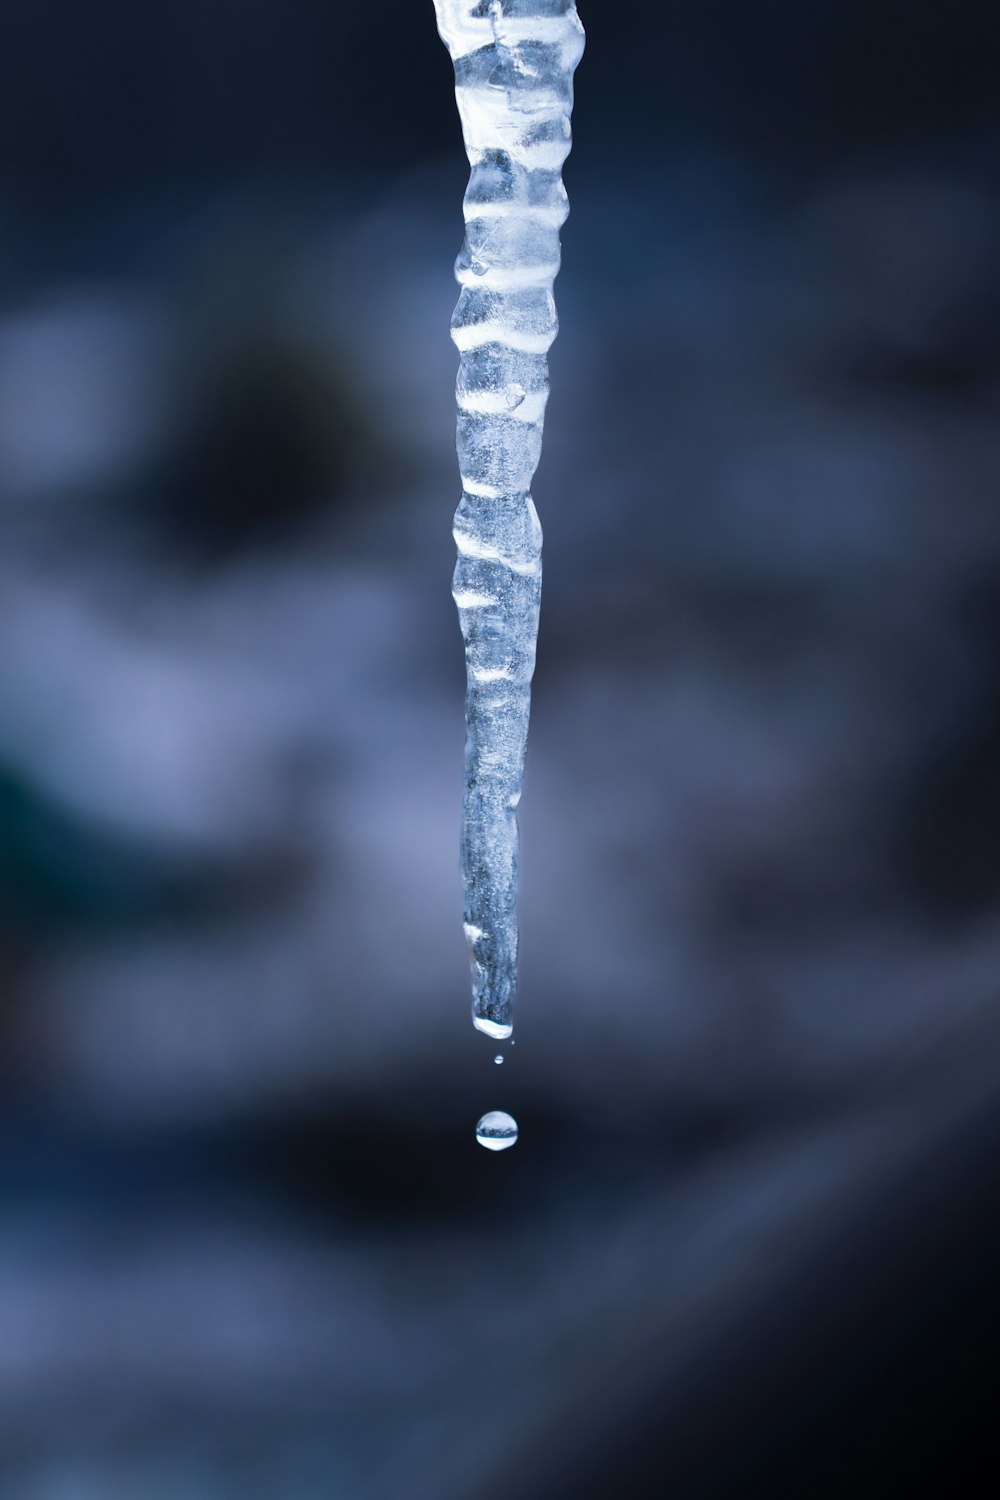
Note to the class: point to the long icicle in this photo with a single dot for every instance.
(514, 62)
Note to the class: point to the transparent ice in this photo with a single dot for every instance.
(514, 62)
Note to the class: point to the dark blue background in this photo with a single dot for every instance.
(745, 1245)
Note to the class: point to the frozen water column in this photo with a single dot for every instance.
(514, 62)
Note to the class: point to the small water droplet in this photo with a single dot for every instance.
(499, 1058)
(497, 1130)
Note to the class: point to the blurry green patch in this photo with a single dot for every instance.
(58, 871)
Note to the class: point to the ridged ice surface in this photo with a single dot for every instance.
(514, 62)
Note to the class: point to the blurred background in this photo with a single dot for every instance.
(745, 1245)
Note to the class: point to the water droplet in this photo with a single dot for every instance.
(498, 1059)
(497, 1130)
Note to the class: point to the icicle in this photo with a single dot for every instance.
(514, 62)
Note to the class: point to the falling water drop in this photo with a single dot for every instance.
(498, 1059)
(497, 1130)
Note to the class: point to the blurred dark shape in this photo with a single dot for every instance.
(200, 93)
(912, 264)
(856, 1374)
(947, 846)
(271, 439)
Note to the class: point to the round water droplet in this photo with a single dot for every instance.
(497, 1130)
(498, 1059)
